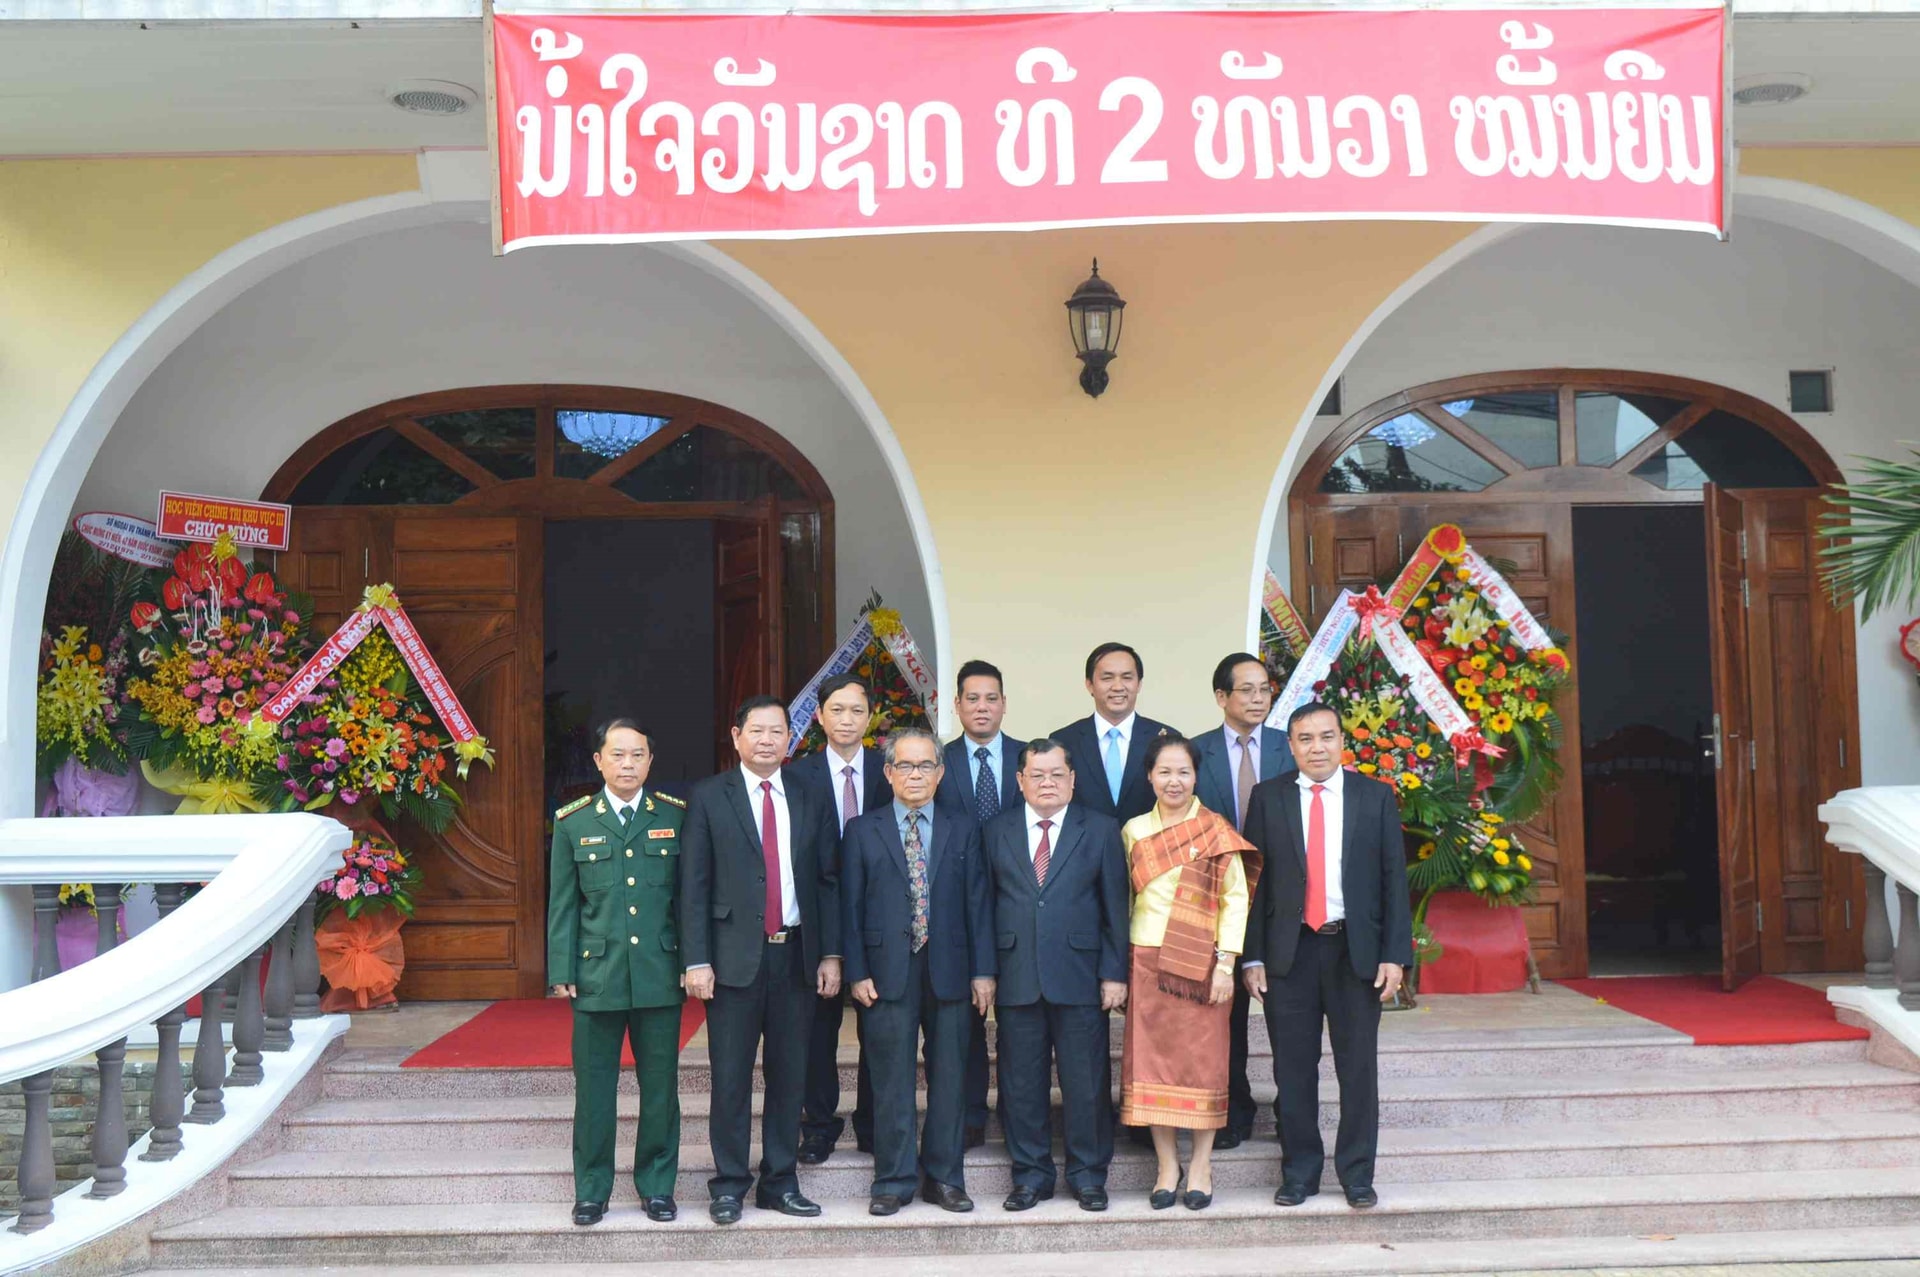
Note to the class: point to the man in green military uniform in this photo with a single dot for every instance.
(612, 948)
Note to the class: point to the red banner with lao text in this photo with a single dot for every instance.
(642, 127)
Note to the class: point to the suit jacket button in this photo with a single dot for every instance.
(629, 853)
(593, 855)
(629, 882)
(586, 953)
(633, 909)
(633, 939)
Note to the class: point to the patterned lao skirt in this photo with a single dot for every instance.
(1173, 1062)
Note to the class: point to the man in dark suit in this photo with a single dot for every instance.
(760, 931)
(1229, 761)
(846, 776)
(1329, 939)
(1060, 919)
(980, 780)
(1110, 745)
(915, 958)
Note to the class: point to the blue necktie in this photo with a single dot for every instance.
(1115, 764)
(986, 787)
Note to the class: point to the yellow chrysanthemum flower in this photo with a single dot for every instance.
(1409, 781)
(1501, 722)
(1423, 750)
(1501, 844)
(1463, 686)
(1425, 851)
(1479, 662)
(1524, 863)
(1475, 703)
(1368, 769)
(1502, 859)
(1492, 817)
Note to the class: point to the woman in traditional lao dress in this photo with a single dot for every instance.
(1192, 879)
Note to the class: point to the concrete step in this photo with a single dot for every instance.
(352, 1176)
(1443, 1101)
(1693, 1250)
(501, 1232)
(379, 1072)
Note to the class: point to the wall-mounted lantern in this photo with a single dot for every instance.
(1093, 318)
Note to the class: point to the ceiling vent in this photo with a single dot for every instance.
(432, 97)
(1775, 89)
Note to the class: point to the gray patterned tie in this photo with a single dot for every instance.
(986, 787)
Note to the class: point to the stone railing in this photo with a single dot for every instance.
(257, 904)
(1882, 825)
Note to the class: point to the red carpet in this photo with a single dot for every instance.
(524, 1033)
(1762, 1012)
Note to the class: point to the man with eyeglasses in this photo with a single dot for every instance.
(1230, 760)
(919, 937)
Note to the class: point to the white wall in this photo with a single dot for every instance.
(431, 309)
(1739, 314)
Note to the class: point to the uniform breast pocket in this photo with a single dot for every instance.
(596, 867)
(661, 864)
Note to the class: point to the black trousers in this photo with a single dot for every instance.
(1033, 1038)
(769, 1015)
(1240, 1106)
(821, 1112)
(1322, 986)
(977, 1075)
(892, 1030)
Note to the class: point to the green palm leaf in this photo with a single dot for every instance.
(1873, 536)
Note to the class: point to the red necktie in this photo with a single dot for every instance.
(1317, 860)
(1041, 854)
(770, 850)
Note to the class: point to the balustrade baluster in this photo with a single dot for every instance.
(1906, 951)
(249, 1024)
(209, 1060)
(36, 1157)
(279, 998)
(306, 964)
(46, 947)
(168, 1104)
(1876, 936)
(110, 1116)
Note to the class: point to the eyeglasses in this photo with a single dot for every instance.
(1251, 690)
(914, 769)
(1041, 778)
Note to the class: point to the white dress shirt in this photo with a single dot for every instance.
(837, 781)
(1333, 804)
(621, 809)
(1125, 727)
(1233, 765)
(783, 827)
(1033, 831)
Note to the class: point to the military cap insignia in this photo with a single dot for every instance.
(669, 798)
(572, 807)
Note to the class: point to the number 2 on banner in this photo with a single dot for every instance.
(1122, 165)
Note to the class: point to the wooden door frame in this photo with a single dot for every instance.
(1569, 485)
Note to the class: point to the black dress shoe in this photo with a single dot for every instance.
(1293, 1194)
(864, 1143)
(1361, 1196)
(1093, 1199)
(946, 1197)
(725, 1210)
(976, 1136)
(588, 1212)
(885, 1204)
(1162, 1198)
(1229, 1138)
(787, 1204)
(1026, 1197)
(662, 1209)
(1197, 1200)
(815, 1149)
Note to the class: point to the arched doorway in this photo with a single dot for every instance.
(568, 552)
(1667, 526)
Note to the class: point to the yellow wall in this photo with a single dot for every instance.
(87, 246)
(1062, 521)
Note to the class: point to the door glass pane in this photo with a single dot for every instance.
(1526, 423)
(1409, 454)
(501, 439)
(585, 441)
(1727, 450)
(382, 468)
(1606, 426)
(705, 464)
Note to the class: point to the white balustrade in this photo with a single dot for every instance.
(1882, 824)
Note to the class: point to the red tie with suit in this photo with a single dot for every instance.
(770, 851)
(1317, 860)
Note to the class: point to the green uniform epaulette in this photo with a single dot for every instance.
(572, 807)
(669, 798)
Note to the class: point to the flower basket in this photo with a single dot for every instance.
(362, 959)
(1483, 946)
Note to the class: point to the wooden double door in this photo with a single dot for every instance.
(474, 585)
(1787, 727)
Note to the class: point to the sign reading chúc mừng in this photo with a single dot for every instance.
(636, 127)
(253, 525)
